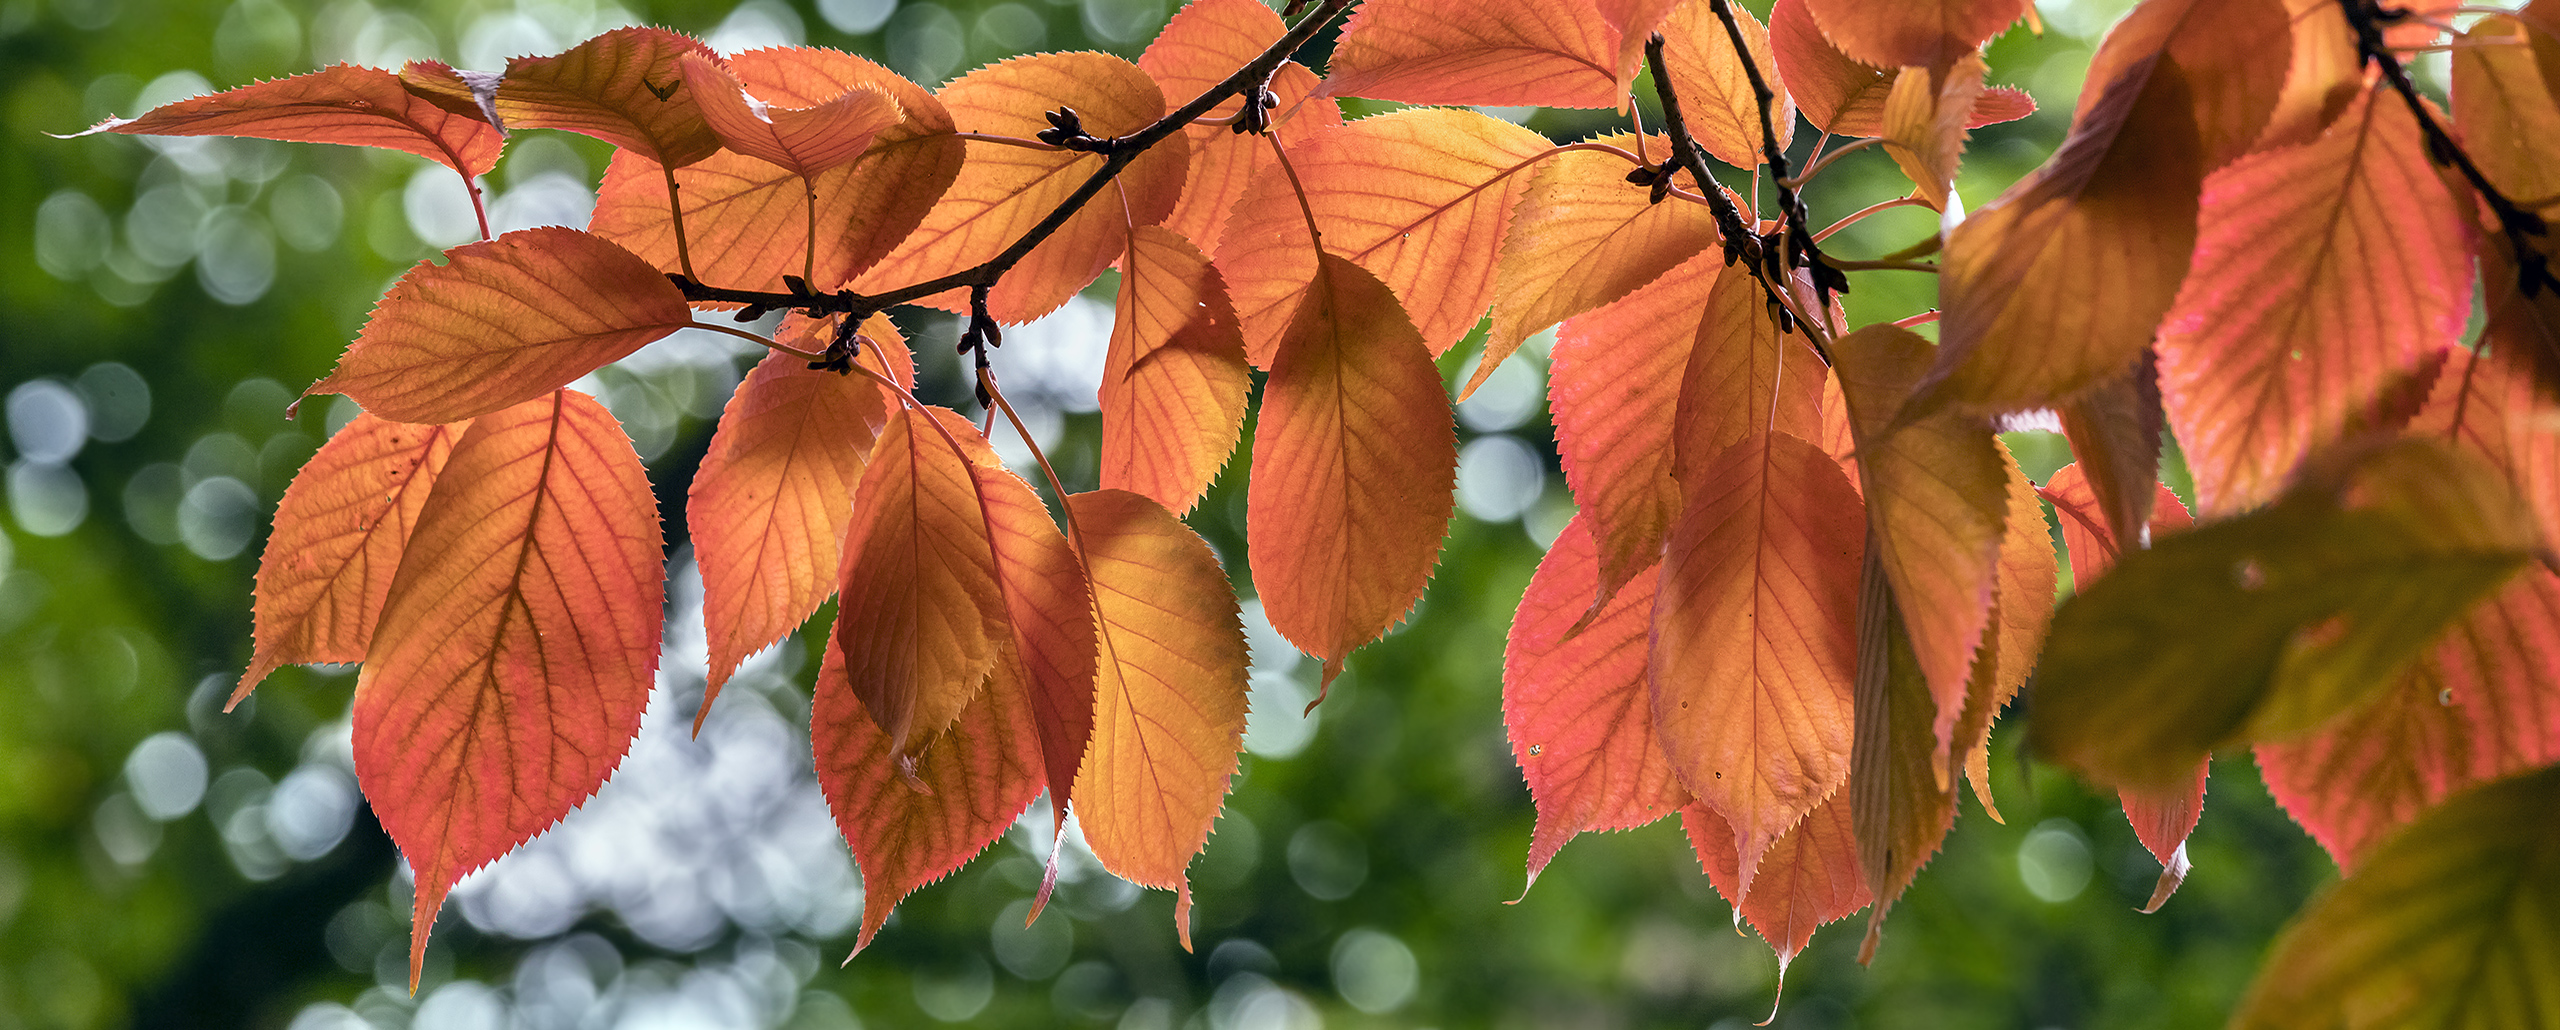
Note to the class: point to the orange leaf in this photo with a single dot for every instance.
(1924, 123)
(1583, 236)
(1752, 654)
(2016, 634)
(1576, 706)
(1611, 373)
(1169, 701)
(805, 139)
(1929, 33)
(1174, 382)
(625, 87)
(362, 107)
(1049, 609)
(1845, 97)
(918, 608)
(1635, 21)
(2059, 283)
(517, 645)
(769, 506)
(1808, 877)
(1355, 458)
(967, 786)
(340, 532)
(1742, 378)
(1004, 190)
(501, 322)
(2162, 820)
(1548, 53)
(1203, 44)
(2114, 428)
(1420, 197)
(2510, 124)
(1901, 799)
(1938, 501)
(2323, 273)
(739, 209)
(1715, 92)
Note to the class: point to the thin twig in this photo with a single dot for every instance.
(1882, 266)
(1861, 213)
(675, 210)
(1824, 161)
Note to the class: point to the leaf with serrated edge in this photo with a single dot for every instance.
(360, 107)
(1924, 123)
(625, 87)
(339, 534)
(737, 207)
(2114, 429)
(2452, 923)
(1169, 704)
(1203, 44)
(967, 787)
(805, 139)
(1715, 92)
(1576, 707)
(1636, 21)
(503, 321)
(1004, 190)
(1420, 197)
(1539, 52)
(1610, 372)
(1049, 611)
(517, 645)
(2016, 635)
(2322, 272)
(1174, 380)
(1928, 33)
(2509, 121)
(1743, 378)
(1901, 801)
(1845, 97)
(1752, 654)
(1808, 877)
(1354, 459)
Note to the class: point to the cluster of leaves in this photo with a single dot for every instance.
(1805, 576)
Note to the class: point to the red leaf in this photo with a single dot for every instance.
(362, 107)
(1809, 875)
(2162, 820)
(517, 645)
(1354, 460)
(1577, 709)
(621, 87)
(1845, 97)
(340, 532)
(1203, 44)
(1611, 373)
(805, 139)
(1174, 382)
(2114, 429)
(503, 321)
(1549, 53)
(1049, 610)
(1928, 33)
(967, 786)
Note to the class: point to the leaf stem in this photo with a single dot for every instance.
(1824, 161)
(755, 339)
(675, 207)
(1883, 266)
(1861, 213)
(479, 209)
(1007, 141)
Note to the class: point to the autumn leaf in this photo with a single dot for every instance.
(736, 205)
(1049, 612)
(1924, 123)
(2057, 285)
(1355, 456)
(2450, 924)
(1752, 654)
(1577, 707)
(517, 644)
(2503, 104)
(913, 823)
(919, 614)
(339, 536)
(1635, 22)
(1901, 798)
(2261, 626)
(623, 87)
(1203, 44)
(1583, 236)
(2322, 273)
(1538, 52)
(1003, 189)
(769, 505)
(1808, 877)
(501, 322)
(1743, 378)
(1845, 97)
(1721, 109)
(1169, 703)
(1928, 33)
(1421, 198)
(362, 107)
(2011, 644)
(1174, 380)
(2114, 429)
(807, 139)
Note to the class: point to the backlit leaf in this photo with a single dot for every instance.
(1901, 800)
(918, 609)
(2261, 626)
(1929, 33)
(1752, 654)
(805, 139)
(1743, 378)
(1354, 459)
(1715, 92)
(1635, 21)
(739, 209)
(339, 534)
(1004, 190)
(2322, 273)
(1049, 609)
(1203, 44)
(1611, 371)
(2510, 124)
(363, 107)
(1548, 53)
(2452, 923)
(1808, 877)
(2015, 637)
(1845, 97)
(2114, 428)
(517, 645)
(625, 87)
(501, 322)
(1577, 706)
(967, 787)
(1169, 702)
(1420, 197)
(1174, 382)
(1924, 123)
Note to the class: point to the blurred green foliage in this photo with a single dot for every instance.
(1359, 879)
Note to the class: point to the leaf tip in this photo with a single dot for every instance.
(1182, 914)
(2172, 874)
(1324, 687)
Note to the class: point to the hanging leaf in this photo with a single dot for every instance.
(1169, 701)
(1808, 877)
(1743, 378)
(1635, 22)
(1721, 109)
(340, 533)
(1174, 382)
(1203, 44)
(625, 87)
(1537, 52)
(1928, 33)
(1049, 610)
(2114, 430)
(517, 645)
(1846, 97)
(1901, 801)
(2510, 123)
(1924, 123)
(2011, 644)
(360, 107)
(805, 140)
(503, 321)
(1354, 460)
